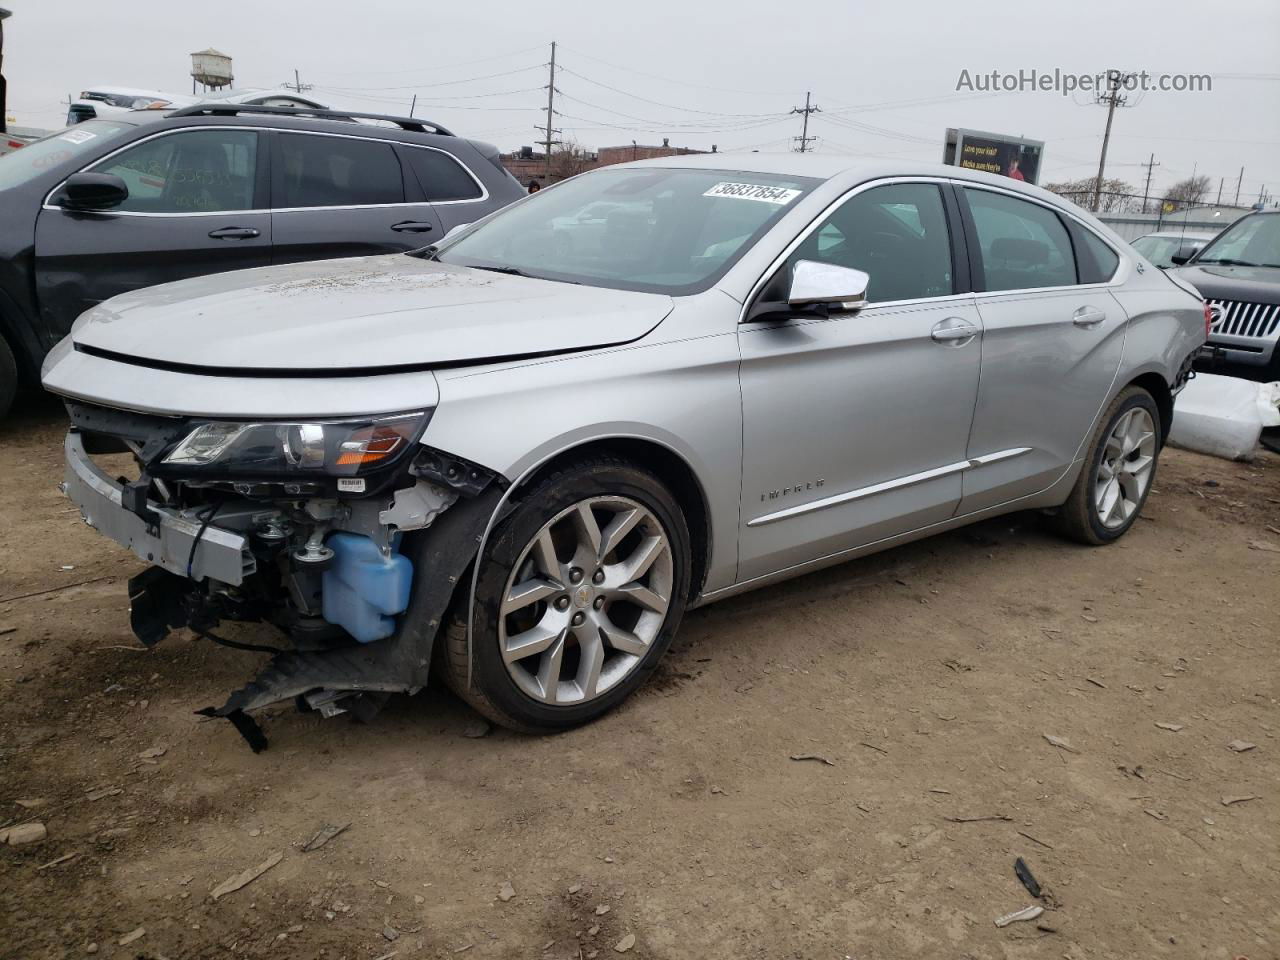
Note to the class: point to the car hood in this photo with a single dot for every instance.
(1221, 282)
(370, 313)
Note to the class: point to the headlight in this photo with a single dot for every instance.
(339, 448)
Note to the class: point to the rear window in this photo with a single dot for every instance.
(441, 176)
(39, 158)
(320, 171)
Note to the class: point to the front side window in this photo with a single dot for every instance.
(1252, 241)
(317, 171)
(442, 177)
(1024, 245)
(896, 234)
(195, 171)
(657, 229)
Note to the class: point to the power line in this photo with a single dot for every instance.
(656, 103)
(451, 83)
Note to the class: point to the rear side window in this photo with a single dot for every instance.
(441, 176)
(1024, 245)
(194, 171)
(1097, 261)
(318, 171)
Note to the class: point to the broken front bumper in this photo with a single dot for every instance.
(166, 542)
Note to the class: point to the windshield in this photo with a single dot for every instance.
(1252, 241)
(40, 157)
(656, 230)
(1160, 250)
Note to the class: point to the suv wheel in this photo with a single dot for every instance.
(1117, 476)
(8, 376)
(579, 595)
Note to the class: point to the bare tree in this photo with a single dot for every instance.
(1188, 192)
(1116, 196)
(570, 159)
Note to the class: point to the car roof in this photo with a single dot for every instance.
(828, 166)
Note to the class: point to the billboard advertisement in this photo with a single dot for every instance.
(1014, 157)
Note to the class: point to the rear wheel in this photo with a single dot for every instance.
(1117, 476)
(8, 376)
(580, 593)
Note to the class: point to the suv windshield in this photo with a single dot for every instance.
(42, 156)
(1252, 241)
(651, 229)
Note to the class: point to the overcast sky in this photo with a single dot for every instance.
(712, 71)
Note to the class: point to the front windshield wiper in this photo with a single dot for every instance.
(1229, 262)
(424, 253)
(510, 271)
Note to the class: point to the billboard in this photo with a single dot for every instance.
(1013, 157)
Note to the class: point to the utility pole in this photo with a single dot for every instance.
(551, 101)
(1221, 181)
(1113, 99)
(804, 137)
(413, 105)
(297, 86)
(1151, 165)
(4, 15)
(1238, 183)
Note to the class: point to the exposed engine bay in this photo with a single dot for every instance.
(314, 528)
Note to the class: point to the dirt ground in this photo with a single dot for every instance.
(928, 676)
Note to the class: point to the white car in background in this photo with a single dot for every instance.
(1163, 245)
(110, 101)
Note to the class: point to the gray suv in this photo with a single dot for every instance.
(527, 451)
(112, 205)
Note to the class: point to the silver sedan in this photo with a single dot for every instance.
(527, 452)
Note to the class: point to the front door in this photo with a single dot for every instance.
(196, 205)
(343, 196)
(855, 427)
(1051, 346)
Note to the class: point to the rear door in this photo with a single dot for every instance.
(196, 205)
(1051, 346)
(337, 195)
(456, 194)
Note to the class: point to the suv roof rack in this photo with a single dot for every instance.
(413, 124)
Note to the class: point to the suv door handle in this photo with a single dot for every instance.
(953, 331)
(234, 233)
(1088, 317)
(412, 226)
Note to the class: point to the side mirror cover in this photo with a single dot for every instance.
(840, 288)
(92, 191)
(1183, 255)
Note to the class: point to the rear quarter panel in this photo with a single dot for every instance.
(1166, 325)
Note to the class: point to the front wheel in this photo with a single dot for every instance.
(1118, 473)
(580, 593)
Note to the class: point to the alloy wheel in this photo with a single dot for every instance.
(1124, 471)
(586, 600)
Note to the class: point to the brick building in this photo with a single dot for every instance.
(527, 164)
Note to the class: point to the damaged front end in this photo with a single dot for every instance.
(300, 525)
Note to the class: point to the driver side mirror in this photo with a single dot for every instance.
(817, 289)
(1183, 255)
(92, 191)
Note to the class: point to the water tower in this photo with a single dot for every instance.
(210, 69)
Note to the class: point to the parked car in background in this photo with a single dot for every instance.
(535, 456)
(1238, 273)
(108, 206)
(108, 102)
(15, 138)
(1163, 245)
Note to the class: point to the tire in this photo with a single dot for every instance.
(516, 695)
(1093, 515)
(8, 377)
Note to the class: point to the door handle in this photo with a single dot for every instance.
(953, 331)
(234, 233)
(1088, 317)
(412, 226)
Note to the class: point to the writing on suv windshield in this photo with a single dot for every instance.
(651, 229)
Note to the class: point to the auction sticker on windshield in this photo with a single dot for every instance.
(78, 136)
(753, 191)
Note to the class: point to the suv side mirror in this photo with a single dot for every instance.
(92, 191)
(1183, 255)
(826, 284)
